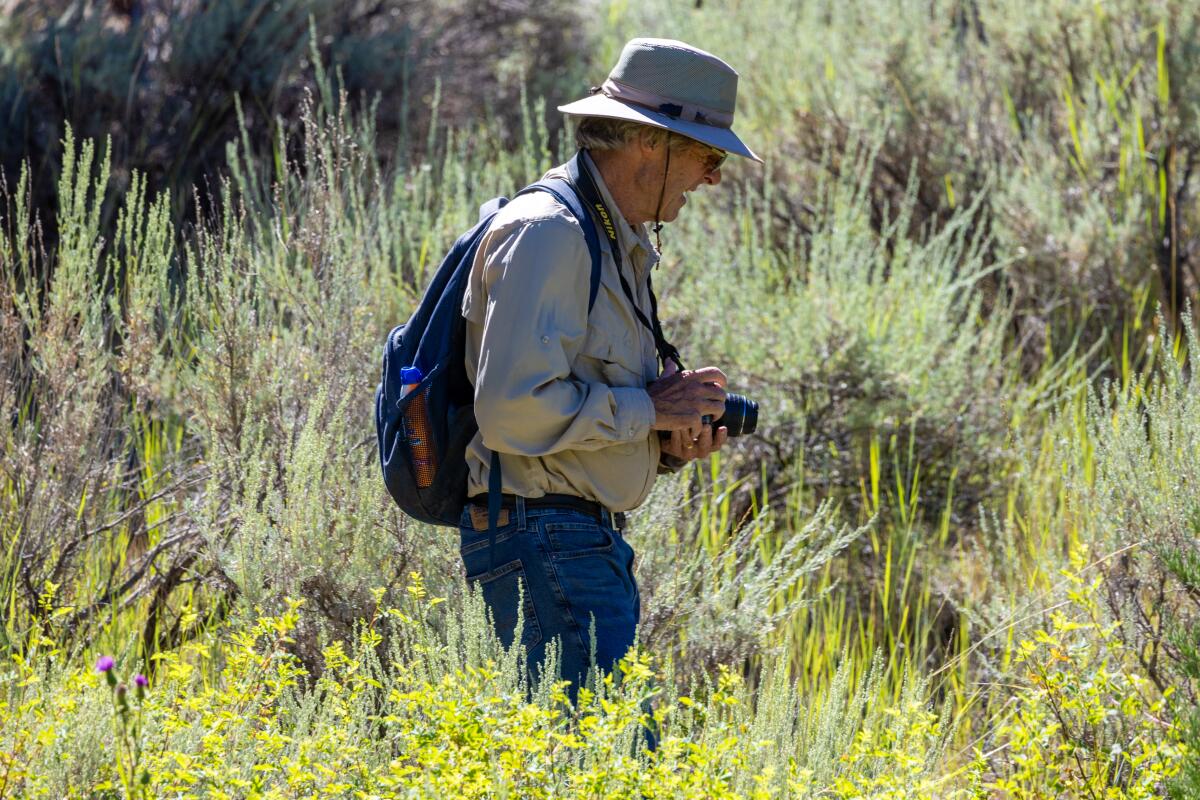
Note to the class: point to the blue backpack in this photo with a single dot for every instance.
(424, 406)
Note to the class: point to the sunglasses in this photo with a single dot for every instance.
(714, 157)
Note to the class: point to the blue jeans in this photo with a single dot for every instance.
(574, 572)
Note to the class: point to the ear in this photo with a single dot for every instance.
(649, 141)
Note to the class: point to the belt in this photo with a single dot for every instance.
(614, 519)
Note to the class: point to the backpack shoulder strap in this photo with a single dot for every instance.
(565, 193)
(491, 207)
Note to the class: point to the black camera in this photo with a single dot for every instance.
(740, 417)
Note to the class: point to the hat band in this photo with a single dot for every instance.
(688, 112)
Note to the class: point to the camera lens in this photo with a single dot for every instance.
(740, 417)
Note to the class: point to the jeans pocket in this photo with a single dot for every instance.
(568, 540)
(505, 589)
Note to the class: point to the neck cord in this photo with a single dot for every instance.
(658, 225)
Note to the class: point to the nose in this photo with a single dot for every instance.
(714, 177)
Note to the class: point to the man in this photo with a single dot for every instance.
(572, 401)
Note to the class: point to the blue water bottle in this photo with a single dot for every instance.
(417, 428)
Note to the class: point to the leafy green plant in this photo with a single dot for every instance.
(239, 715)
(1089, 725)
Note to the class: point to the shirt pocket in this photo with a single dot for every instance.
(610, 353)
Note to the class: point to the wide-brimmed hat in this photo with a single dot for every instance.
(671, 85)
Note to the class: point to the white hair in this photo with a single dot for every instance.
(605, 133)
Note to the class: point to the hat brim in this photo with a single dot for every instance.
(599, 105)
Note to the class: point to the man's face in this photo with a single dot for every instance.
(691, 166)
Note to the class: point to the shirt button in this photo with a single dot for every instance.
(545, 340)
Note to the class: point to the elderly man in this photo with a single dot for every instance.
(572, 401)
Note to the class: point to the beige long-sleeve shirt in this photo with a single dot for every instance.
(560, 393)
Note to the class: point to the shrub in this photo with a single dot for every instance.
(237, 715)
(1074, 125)
(854, 336)
(164, 431)
(1142, 506)
(174, 82)
(1088, 724)
(718, 589)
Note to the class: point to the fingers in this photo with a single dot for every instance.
(712, 407)
(708, 385)
(682, 398)
(683, 411)
(675, 422)
(708, 396)
(682, 444)
(705, 375)
(721, 437)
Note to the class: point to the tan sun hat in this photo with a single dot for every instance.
(672, 85)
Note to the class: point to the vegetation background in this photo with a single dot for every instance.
(959, 559)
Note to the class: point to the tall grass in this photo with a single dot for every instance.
(890, 590)
(1074, 122)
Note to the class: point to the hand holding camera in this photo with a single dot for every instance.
(694, 414)
(682, 398)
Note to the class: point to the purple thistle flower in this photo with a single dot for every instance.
(140, 680)
(104, 663)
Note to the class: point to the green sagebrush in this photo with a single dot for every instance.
(237, 715)
(184, 448)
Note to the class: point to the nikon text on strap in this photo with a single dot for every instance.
(581, 179)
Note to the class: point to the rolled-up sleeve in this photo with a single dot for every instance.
(527, 400)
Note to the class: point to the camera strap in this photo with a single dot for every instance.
(578, 175)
